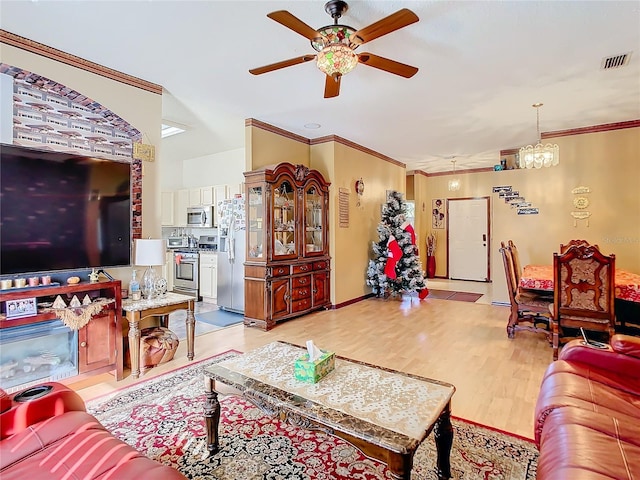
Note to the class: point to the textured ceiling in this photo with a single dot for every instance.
(482, 65)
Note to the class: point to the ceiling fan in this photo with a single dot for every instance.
(336, 43)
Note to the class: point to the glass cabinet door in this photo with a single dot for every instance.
(314, 228)
(284, 219)
(256, 225)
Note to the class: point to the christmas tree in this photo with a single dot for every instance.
(395, 268)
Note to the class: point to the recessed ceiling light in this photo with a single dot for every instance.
(168, 130)
(312, 126)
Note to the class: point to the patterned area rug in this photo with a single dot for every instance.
(163, 419)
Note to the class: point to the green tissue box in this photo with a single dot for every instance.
(312, 372)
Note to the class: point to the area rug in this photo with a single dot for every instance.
(163, 418)
(219, 318)
(451, 295)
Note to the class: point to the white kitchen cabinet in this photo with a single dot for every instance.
(208, 276)
(235, 189)
(220, 193)
(181, 204)
(194, 197)
(207, 195)
(167, 209)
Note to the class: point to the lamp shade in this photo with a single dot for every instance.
(150, 252)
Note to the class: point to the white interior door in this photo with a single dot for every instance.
(469, 239)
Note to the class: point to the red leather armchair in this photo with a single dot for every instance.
(45, 433)
(587, 417)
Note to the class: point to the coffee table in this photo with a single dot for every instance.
(385, 413)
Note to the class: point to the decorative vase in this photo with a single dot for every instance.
(431, 266)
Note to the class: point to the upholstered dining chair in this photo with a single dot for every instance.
(529, 311)
(575, 243)
(583, 294)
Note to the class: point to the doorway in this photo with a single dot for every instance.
(468, 239)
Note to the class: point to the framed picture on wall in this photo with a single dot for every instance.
(437, 211)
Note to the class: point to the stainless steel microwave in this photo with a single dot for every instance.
(200, 216)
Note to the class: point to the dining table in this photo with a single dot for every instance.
(540, 277)
(627, 293)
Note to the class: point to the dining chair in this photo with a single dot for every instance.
(575, 243)
(529, 311)
(517, 265)
(583, 294)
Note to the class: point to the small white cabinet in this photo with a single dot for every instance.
(208, 276)
(167, 209)
(207, 195)
(181, 204)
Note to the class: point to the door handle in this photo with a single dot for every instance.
(484, 237)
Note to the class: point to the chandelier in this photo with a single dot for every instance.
(337, 59)
(540, 155)
(454, 183)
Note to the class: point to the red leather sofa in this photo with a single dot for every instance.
(52, 437)
(587, 417)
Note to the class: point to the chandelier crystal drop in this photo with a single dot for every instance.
(454, 183)
(337, 59)
(540, 155)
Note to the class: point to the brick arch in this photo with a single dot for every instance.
(49, 115)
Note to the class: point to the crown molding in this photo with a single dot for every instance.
(63, 57)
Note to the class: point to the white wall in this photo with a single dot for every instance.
(217, 169)
(170, 174)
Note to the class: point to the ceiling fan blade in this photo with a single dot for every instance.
(332, 86)
(389, 24)
(294, 23)
(283, 64)
(391, 66)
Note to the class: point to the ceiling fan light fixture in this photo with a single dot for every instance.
(337, 59)
(539, 155)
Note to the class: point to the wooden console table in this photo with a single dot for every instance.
(161, 306)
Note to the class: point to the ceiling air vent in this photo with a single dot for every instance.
(615, 61)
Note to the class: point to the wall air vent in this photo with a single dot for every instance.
(615, 61)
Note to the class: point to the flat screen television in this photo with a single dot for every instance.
(60, 211)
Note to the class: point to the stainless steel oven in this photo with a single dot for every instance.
(186, 274)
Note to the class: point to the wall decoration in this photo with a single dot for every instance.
(343, 207)
(580, 216)
(144, 152)
(359, 190)
(437, 211)
(528, 211)
(580, 202)
(502, 188)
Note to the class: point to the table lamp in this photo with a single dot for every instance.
(149, 253)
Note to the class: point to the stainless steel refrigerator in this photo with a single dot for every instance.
(231, 254)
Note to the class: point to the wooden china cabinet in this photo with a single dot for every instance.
(287, 267)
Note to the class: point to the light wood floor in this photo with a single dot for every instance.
(497, 379)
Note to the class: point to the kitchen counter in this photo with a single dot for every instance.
(192, 250)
